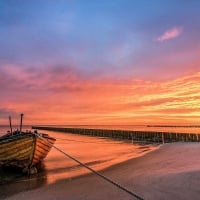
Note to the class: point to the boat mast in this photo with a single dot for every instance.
(10, 124)
(20, 130)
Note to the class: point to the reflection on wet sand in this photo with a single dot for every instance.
(97, 153)
(12, 181)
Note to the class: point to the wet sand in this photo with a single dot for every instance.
(170, 172)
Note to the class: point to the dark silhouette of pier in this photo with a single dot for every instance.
(129, 135)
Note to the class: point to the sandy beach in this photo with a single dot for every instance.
(170, 172)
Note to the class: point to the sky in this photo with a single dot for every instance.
(100, 62)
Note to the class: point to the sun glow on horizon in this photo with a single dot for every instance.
(116, 102)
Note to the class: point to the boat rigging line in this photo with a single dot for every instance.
(95, 172)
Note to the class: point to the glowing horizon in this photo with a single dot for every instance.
(115, 102)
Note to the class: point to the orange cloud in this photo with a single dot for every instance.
(131, 101)
(64, 97)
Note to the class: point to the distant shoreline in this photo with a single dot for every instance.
(104, 125)
(175, 126)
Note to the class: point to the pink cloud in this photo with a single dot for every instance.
(170, 34)
(63, 95)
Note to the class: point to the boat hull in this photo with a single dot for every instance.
(24, 150)
(42, 147)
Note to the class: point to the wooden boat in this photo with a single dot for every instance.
(24, 149)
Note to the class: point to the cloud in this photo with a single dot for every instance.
(170, 34)
(55, 77)
(5, 112)
(61, 94)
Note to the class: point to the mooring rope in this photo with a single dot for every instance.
(95, 172)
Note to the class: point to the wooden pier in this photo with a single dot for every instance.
(129, 135)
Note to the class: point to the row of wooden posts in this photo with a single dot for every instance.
(129, 135)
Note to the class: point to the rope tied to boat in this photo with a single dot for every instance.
(133, 194)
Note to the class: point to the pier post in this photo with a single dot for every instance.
(163, 139)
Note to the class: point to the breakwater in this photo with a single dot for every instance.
(129, 135)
